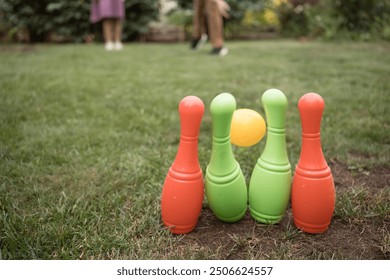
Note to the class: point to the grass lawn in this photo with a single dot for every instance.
(87, 138)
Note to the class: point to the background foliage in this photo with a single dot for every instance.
(335, 19)
(69, 20)
(62, 20)
(328, 19)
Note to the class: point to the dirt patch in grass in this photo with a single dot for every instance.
(357, 237)
(375, 179)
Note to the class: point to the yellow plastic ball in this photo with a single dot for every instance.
(247, 128)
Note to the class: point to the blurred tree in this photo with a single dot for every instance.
(359, 15)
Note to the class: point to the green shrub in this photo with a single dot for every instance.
(367, 19)
(68, 19)
(322, 21)
(139, 13)
(27, 15)
(336, 19)
(293, 20)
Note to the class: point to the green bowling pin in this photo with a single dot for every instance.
(270, 184)
(225, 186)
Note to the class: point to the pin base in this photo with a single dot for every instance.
(265, 219)
(179, 229)
(311, 228)
(231, 220)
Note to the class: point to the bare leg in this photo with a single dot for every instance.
(117, 24)
(117, 30)
(108, 30)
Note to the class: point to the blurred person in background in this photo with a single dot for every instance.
(208, 18)
(112, 14)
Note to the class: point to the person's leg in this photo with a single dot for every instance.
(118, 34)
(107, 30)
(108, 33)
(199, 22)
(215, 24)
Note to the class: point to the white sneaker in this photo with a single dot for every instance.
(196, 44)
(109, 46)
(118, 46)
(222, 51)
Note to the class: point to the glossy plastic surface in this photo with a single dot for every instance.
(270, 184)
(183, 190)
(247, 128)
(313, 192)
(225, 187)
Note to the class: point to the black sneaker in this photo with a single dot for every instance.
(222, 51)
(196, 44)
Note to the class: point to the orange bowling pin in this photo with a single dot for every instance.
(183, 190)
(313, 191)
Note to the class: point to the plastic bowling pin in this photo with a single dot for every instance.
(226, 190)
(270, 184)
(313, 192)
(183, 190)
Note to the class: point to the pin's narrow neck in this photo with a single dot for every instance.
(222, 160)
(312, 159)
(275, 151)
(186, 160)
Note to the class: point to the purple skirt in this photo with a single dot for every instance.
(101, 9)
